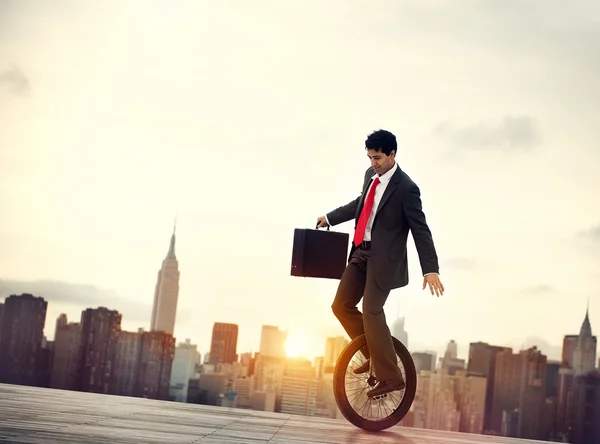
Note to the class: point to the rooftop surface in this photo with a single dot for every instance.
(39, 415)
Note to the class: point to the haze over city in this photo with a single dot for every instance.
(114, 122)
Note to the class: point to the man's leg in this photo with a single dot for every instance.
(349, 292)
(379, 339)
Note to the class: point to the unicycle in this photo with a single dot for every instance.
(350, 389)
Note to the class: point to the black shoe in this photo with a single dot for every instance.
(362, 368)
(384, 387)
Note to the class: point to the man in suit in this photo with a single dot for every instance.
(388, 207)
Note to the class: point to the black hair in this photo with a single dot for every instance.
(382, 140)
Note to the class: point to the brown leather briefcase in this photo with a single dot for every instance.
(319, 253)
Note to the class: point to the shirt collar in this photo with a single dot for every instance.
(385, 178)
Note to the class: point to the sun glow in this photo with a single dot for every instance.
(296, 345)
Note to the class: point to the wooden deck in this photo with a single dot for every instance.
(36, 415)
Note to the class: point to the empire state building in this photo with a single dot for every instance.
(166, 293)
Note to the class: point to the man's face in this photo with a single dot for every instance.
(380, 161)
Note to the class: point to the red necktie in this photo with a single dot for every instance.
(359, 234)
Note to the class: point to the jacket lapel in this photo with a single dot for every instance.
(389, 189)
(362, 198)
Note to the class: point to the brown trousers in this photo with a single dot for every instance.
(357, 282)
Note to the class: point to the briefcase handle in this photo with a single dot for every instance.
(317, 227)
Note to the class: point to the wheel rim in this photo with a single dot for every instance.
(357, 386)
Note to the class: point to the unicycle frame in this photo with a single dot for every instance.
(339, 386)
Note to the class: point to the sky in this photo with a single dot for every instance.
(246, 120)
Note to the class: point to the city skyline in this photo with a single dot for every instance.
(259, 132)
(297, 347)
(298, 344)
(496, 390)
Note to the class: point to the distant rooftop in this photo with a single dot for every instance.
(39, 415)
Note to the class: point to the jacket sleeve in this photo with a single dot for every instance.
(417, 224)
(344, 213)
(347, 212)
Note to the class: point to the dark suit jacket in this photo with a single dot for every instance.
(400, 210)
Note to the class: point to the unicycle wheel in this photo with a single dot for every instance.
(350, 389)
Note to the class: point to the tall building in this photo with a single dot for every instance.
(482, 361)
(127, 361)
(142, 366)
(565, 401)
(166, 293)
(299, 388)
(1, 311)
(67, 356)
(533, 423)
(100, 329)
(452, 349)
(272, 342)
(586, 409)
(578, 356)
(61, 321)
(22, 333)
(568, 349)
(471, 401)
(450, 360)
(333, 349)
(584, 356)
(507, 387)
(223, 345)
(156, 360)
(424, 361)
(184, 368)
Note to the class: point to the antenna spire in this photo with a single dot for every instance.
(171, 253)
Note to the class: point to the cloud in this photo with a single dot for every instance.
(553, 352)
(510, 133)
(83, 296)
(16, 81)
(592, 233)
(539, 289)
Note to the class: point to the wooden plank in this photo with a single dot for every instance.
(32, 415)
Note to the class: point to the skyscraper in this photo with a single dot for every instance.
(67, 354)
(100, 328)
(532, 421)
(184, 367)
(272, 341)
(482, 360)
(154, 370)
(223, 345)
(584, 354)
(333, 350)
(166, 293)
(22, 334)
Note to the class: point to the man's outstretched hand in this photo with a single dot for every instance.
(434, 284)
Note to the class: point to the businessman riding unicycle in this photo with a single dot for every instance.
(375, 378)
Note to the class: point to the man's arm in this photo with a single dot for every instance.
(348, 212)
(421, 234)
(343, 214)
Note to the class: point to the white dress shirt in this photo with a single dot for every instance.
(384, 180)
